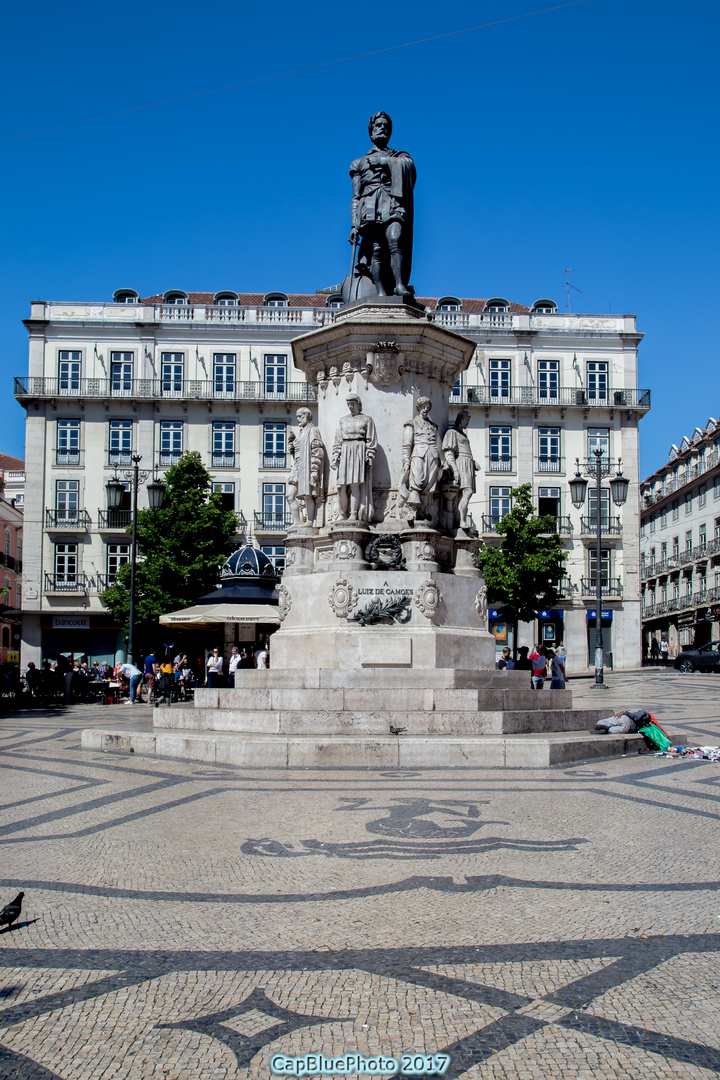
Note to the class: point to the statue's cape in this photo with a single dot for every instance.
(402, 182)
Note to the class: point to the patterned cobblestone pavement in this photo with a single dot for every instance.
(186, 921)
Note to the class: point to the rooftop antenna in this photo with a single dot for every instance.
(569, 285)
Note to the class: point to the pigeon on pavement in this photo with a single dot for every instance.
(397, 730)
(11, 912)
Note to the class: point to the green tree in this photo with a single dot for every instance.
(180, 548)
(522, 574)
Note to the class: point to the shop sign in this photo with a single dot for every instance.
(71, 622)
(13, 657)
(552, 614)
(494, 613)
(603, 615)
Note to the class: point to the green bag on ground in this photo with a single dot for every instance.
(653, 733)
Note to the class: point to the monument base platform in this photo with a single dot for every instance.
(307, 718)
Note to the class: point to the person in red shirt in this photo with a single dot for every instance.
(539, 667)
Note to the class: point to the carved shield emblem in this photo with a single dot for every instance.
(386, 368)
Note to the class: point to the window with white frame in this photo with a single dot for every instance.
(224, 374)
(500, 449)
(500, 379)
(663, 518)
(66, 564)
(223, 444)
(8, 542)
(276, 300)
(120, 439)
(548, 380)
(227, 494)
(688, 540)
(675, 546)
(702, 494)
(274, 446)
(276, 555)
(604, 567)
(717, 528)
(273, 503)
(549, 447)
(598, 439)
(68, 442)
(69, 370)
(116, 555)
(18, 547)
(549, 502)
(597, 380)
(275, 376)
(500, 503)
(171, 442)
(716, 487)
(171, 374)
(604, 508)
(702, 535)
(675, 509)
(121, 372)
(67, 500)
(688, 503)
(652, 523)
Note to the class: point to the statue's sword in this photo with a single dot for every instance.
(352, 268)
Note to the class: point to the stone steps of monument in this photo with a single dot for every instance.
(372, 678)
(312, 751)
(382, 699)
(326, 722)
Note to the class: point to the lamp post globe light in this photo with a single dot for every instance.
(115, 489)
(597, 468)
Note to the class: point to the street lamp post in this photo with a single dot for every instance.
(115, 493)
(618, 492)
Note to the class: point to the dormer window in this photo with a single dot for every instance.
(544, 307)
(497, 305)
(335, 300)
(226, 299)
(125, 296)
(276, 299)
(448, 303)
(175, 297)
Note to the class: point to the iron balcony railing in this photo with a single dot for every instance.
(65, 518)
(120, 459)
(500, 463)
(549, 463)
(114, 519)
(563, 525)
(179, 389)
(610, 587)
(67, 582)
(609, 526)
(68, 457)
(272, 522)
(274, 461)
(564, 397)
(223, 459)
(103, 582)
(241, 524)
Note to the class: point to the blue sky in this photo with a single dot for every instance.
(585, 137)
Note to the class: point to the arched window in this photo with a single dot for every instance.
(175, 297)
(226, 299)
(448, 303)
(125, 296)
(544, 307)
(497, 304)
(6, 637)
(276, 299)
(335, 300)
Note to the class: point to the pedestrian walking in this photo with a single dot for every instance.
(151, 670)
(214, 669)
(654, 650)
(539, 667)
(233, 665)
(664, 651)
(261, 657)
(557, 671)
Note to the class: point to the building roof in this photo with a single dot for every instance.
(11, 464)
(319, 300)
(689, 445)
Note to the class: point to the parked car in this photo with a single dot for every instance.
(706, 658)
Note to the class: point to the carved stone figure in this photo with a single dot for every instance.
(481, 603)
(382, 212)
(353, 454)
(422, 457)
(307, 479)
(458, 456)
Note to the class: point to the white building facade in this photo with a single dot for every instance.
(680, 544)
(213, 373)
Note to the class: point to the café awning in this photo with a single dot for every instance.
(208, 614)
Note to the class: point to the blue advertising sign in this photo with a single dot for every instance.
(592, 615)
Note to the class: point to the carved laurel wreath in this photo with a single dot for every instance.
(397, 610)
(342, 598)
(385, 553)
(285, 601)
(428, 598)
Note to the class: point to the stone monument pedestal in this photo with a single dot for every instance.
(384, 656)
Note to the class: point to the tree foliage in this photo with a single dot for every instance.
(180, 547)
(522, 574)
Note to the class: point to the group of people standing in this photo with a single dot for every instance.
(540, 662)
(239, 659)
